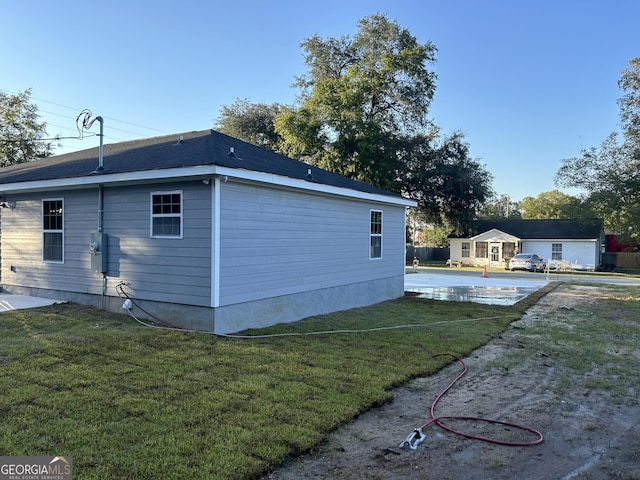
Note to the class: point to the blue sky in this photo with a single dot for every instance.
(527, 82)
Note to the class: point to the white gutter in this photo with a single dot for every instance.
(199, 171)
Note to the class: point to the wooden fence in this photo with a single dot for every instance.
(628, 260)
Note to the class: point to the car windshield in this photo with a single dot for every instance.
(522, 255)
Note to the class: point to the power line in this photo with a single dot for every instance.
(59, 138)
(79, 109)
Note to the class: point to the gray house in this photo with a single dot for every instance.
(207, 232)
(567, 243)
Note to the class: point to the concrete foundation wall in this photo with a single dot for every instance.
(241, 316)
(290, 308)
(183, 316)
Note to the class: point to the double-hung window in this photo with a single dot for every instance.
(466, 249)
(166, 214)
(556, 251)
(53, 230)
(375, 234)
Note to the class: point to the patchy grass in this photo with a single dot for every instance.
(131, 402)
(598, 346)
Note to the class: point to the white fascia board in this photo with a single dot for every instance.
(108, 179)
(320, 188)
(494, 231)
(199, 171)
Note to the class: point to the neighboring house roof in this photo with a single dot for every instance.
(537, 229)
(177, 151)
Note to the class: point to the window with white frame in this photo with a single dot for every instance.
(53, 230)
(556, 251)
(375, 235)
(166, 214)
(466, 249)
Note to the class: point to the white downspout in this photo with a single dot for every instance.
(215, 243)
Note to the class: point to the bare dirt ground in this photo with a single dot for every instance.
(587, 434)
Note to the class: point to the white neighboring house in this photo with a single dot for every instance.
(570, 243)
(208, 232)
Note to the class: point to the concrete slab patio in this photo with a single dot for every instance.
(9, 301)
(498, 290)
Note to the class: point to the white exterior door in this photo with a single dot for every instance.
(494, 255)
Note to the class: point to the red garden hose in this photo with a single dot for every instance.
(417, 436)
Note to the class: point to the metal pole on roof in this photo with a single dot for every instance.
(100, 154)
(101, 149)
(86, 125)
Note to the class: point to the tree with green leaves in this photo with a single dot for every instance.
(361, 94)
(21, 133)
(363, 113)
(629, 103)
(554, 204)
(447, 184)
(610, 174)
(251, 122)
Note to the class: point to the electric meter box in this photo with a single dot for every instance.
(98, 251)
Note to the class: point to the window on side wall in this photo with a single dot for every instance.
(375, 235)
(466, 249)
(53, 230)
(166, 214)
(482, 250)
(556, 251)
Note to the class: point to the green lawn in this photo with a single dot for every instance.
(127, 401)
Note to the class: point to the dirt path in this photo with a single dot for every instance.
(513, 379)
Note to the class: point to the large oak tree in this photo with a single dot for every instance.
(363, 112)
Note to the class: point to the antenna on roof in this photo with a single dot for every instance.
(86, 125)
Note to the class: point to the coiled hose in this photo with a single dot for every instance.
(414, 439)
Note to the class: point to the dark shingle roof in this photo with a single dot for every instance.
(206, 147)
(537, 229)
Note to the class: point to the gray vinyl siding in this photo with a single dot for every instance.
(175, 270)
(277, 242)
(274, 243)
(22, 243)
(162, 269)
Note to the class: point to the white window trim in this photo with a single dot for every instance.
(371, 235)
(44, 260)
(160, 215)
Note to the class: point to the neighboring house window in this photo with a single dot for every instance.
(52, 230)
(375, 235)
(556, 251)
(482, 250)
(166, 214)
(466, 249)
(508, 249)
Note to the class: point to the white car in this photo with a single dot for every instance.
(527, 261)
